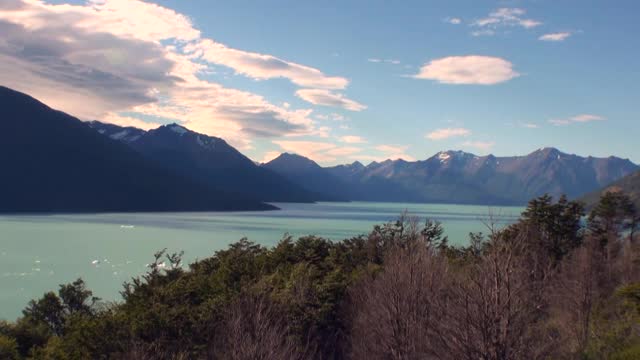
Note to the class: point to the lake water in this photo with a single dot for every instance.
(38, 252)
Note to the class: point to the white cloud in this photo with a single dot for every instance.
(480, 145)
(472, 69)
(582, 118)
(107, 57)
(530, 125)
(559, 36)
(328, 98)
(441, 134)
(453, 21)
(388, 61)
(352, 139)
(503, 18)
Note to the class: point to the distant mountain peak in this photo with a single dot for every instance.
(178, 129)
(356, 164)
(445, 156)
(293, 162)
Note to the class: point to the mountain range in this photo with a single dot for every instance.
(460, 177)
(56, 162)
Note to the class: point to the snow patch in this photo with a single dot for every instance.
(443, 156)
(120, 135)
(206, 143)
(178, 129)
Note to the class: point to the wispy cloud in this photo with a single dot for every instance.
(480, 145)
(582, 118)
(453, 20)
(329, 98)
(446, 133)
(263, 66)
(388, 61)
(352, 139)
(529, 125)
(559, 36)
(503, 18)
(472, 69)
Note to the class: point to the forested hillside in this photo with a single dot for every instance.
(546, 287)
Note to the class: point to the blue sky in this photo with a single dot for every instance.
(340, 81)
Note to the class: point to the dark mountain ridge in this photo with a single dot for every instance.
(208, 159)
(56, 163)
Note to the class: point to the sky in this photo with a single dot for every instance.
(341, 80)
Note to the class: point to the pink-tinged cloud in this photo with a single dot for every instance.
(582, 118)
(328, 98)
(352, 139)
(559, 36)
(106, 57)
(317, 151)
(468, 70)
(446, 133)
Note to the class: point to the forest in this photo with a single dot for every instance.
(563, 282)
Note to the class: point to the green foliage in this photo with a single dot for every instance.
(8, 348)
(614, 214)
(557, 226)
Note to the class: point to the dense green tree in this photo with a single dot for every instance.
(614, 214)
(555, 226)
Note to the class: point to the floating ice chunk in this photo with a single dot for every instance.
(95, 262)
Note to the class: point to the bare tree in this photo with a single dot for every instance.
(254, 329)
(491, 311)
(395, 309)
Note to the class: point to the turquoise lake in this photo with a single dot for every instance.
(38, 252)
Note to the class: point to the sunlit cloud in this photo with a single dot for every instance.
(105, 58)
(317, 151)
(263, 66)
(352, 139)
(472, 69)
(446, 133)
(328, 98)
